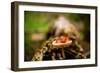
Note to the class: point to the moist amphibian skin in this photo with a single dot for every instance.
(49, 52)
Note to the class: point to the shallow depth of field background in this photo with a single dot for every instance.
(37, 25)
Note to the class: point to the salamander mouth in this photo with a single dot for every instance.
(62, 41)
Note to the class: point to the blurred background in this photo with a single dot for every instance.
(40, 26)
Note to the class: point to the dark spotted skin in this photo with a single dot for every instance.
(73, 51)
